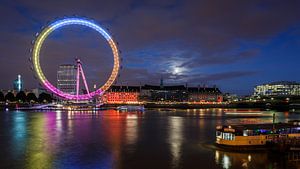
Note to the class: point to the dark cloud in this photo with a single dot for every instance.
(170, 38)
(138, 76)
(224, 76)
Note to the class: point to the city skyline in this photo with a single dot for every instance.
(235, 46)
(162, 84)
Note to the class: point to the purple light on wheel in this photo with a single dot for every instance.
(65, 22)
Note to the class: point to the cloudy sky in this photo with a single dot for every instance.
(233, 44)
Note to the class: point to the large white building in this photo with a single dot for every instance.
(66, 78)
(283, 88)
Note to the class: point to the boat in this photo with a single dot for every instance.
(131, 108)
(253, 136)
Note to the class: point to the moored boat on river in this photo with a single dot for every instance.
(258, 136)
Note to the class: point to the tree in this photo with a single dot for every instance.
(31, 97)
(10, 97)
(45, 97)
(2, 97)
(21, 96)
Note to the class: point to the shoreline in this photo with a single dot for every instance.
(237, 105)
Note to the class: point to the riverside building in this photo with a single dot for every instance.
(122, 95)
(282, 88)
(152, 93)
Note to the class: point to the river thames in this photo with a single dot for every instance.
(154, 139)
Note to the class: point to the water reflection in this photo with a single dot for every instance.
(111, 139)
(253, 160)
(175, 139)
(240, 160)
(19, 133)
(131, 128)
(38, 150)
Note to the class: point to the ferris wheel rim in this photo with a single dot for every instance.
(42, 36)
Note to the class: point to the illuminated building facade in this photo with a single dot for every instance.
(122, 95)
(230, 97)
(152, 93)
(283, 88)
(18, 84)
(66, 78)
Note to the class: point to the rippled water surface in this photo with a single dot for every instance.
(154, 139)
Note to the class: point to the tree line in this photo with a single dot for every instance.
(22, 97)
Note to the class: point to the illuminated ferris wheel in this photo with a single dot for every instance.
(42, 36)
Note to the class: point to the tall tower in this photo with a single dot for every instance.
(18, 84)
(66, 78)
(161, 83)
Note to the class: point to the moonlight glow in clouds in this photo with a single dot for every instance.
(73, 21)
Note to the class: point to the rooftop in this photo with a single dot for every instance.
(283, 83)
(166, 88)
(125, 88)
(267, 126)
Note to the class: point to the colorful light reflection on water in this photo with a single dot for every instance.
(112, 139)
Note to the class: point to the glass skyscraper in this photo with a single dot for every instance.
(66, 78)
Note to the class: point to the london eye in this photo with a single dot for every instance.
(42, 36)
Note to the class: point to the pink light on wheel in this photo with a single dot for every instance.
(74, 21)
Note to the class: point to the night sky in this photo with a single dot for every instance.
(233, 44)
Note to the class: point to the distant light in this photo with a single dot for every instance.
(59, 105)
(19, 83)
(249, 157)
(176, 70)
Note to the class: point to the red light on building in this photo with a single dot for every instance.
(220, 99)
(120, 97)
